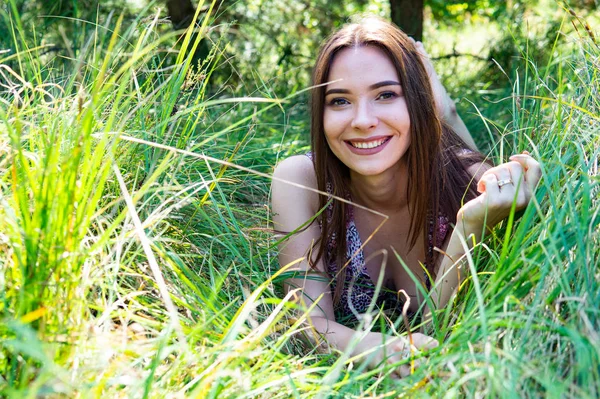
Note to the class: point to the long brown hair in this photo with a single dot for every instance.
(436, 157)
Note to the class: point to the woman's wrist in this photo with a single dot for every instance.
(469, 227)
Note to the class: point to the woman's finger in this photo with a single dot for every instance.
(488, 184)
(395, 375)
(531, 168)
(506, 181)
(523, 193)
(424, 342)
(404, 370)
(430, 344)
(510, 183)
(402, 364)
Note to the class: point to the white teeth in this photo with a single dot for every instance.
(368, 144)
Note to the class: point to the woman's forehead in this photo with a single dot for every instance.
(367, 62)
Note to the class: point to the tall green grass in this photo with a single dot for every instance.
(134, 263)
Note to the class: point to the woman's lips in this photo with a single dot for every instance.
(368, 146)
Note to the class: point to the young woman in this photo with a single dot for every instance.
(386, 137)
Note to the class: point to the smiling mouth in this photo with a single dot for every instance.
(369, 144)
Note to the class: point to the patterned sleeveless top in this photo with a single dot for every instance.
(359, 289)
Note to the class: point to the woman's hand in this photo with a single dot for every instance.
(513, 181)
(396, 350)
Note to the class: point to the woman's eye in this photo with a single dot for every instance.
(338, 102)
(387, 95)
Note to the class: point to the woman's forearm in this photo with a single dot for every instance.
(453, 119)
(372, 348)
(452, 266)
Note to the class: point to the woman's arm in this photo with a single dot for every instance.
(445, 106)
(292, 207)
(453, 119)
(500, 186)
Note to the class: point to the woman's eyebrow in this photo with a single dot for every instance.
(384, 83)
(372, 87)
(337, 91)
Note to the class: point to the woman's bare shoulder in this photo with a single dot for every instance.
(474, 169)
(298, 169)
(300, 195)
(477, 170)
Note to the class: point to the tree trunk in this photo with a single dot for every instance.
(181, 13)
(408, 15)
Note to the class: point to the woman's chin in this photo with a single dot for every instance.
(373, 170)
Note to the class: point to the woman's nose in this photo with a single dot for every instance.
(364, 117)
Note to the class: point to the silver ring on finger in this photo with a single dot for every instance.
(504, 182)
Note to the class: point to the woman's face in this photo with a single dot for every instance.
(365, 118)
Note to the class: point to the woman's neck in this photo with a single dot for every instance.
(387, 191)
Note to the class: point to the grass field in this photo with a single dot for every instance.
(136, 258)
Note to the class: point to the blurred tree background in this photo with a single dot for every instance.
(266, 48)
(276, 41)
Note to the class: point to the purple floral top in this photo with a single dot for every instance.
(359, 288)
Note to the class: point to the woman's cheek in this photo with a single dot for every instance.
(333, 123)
